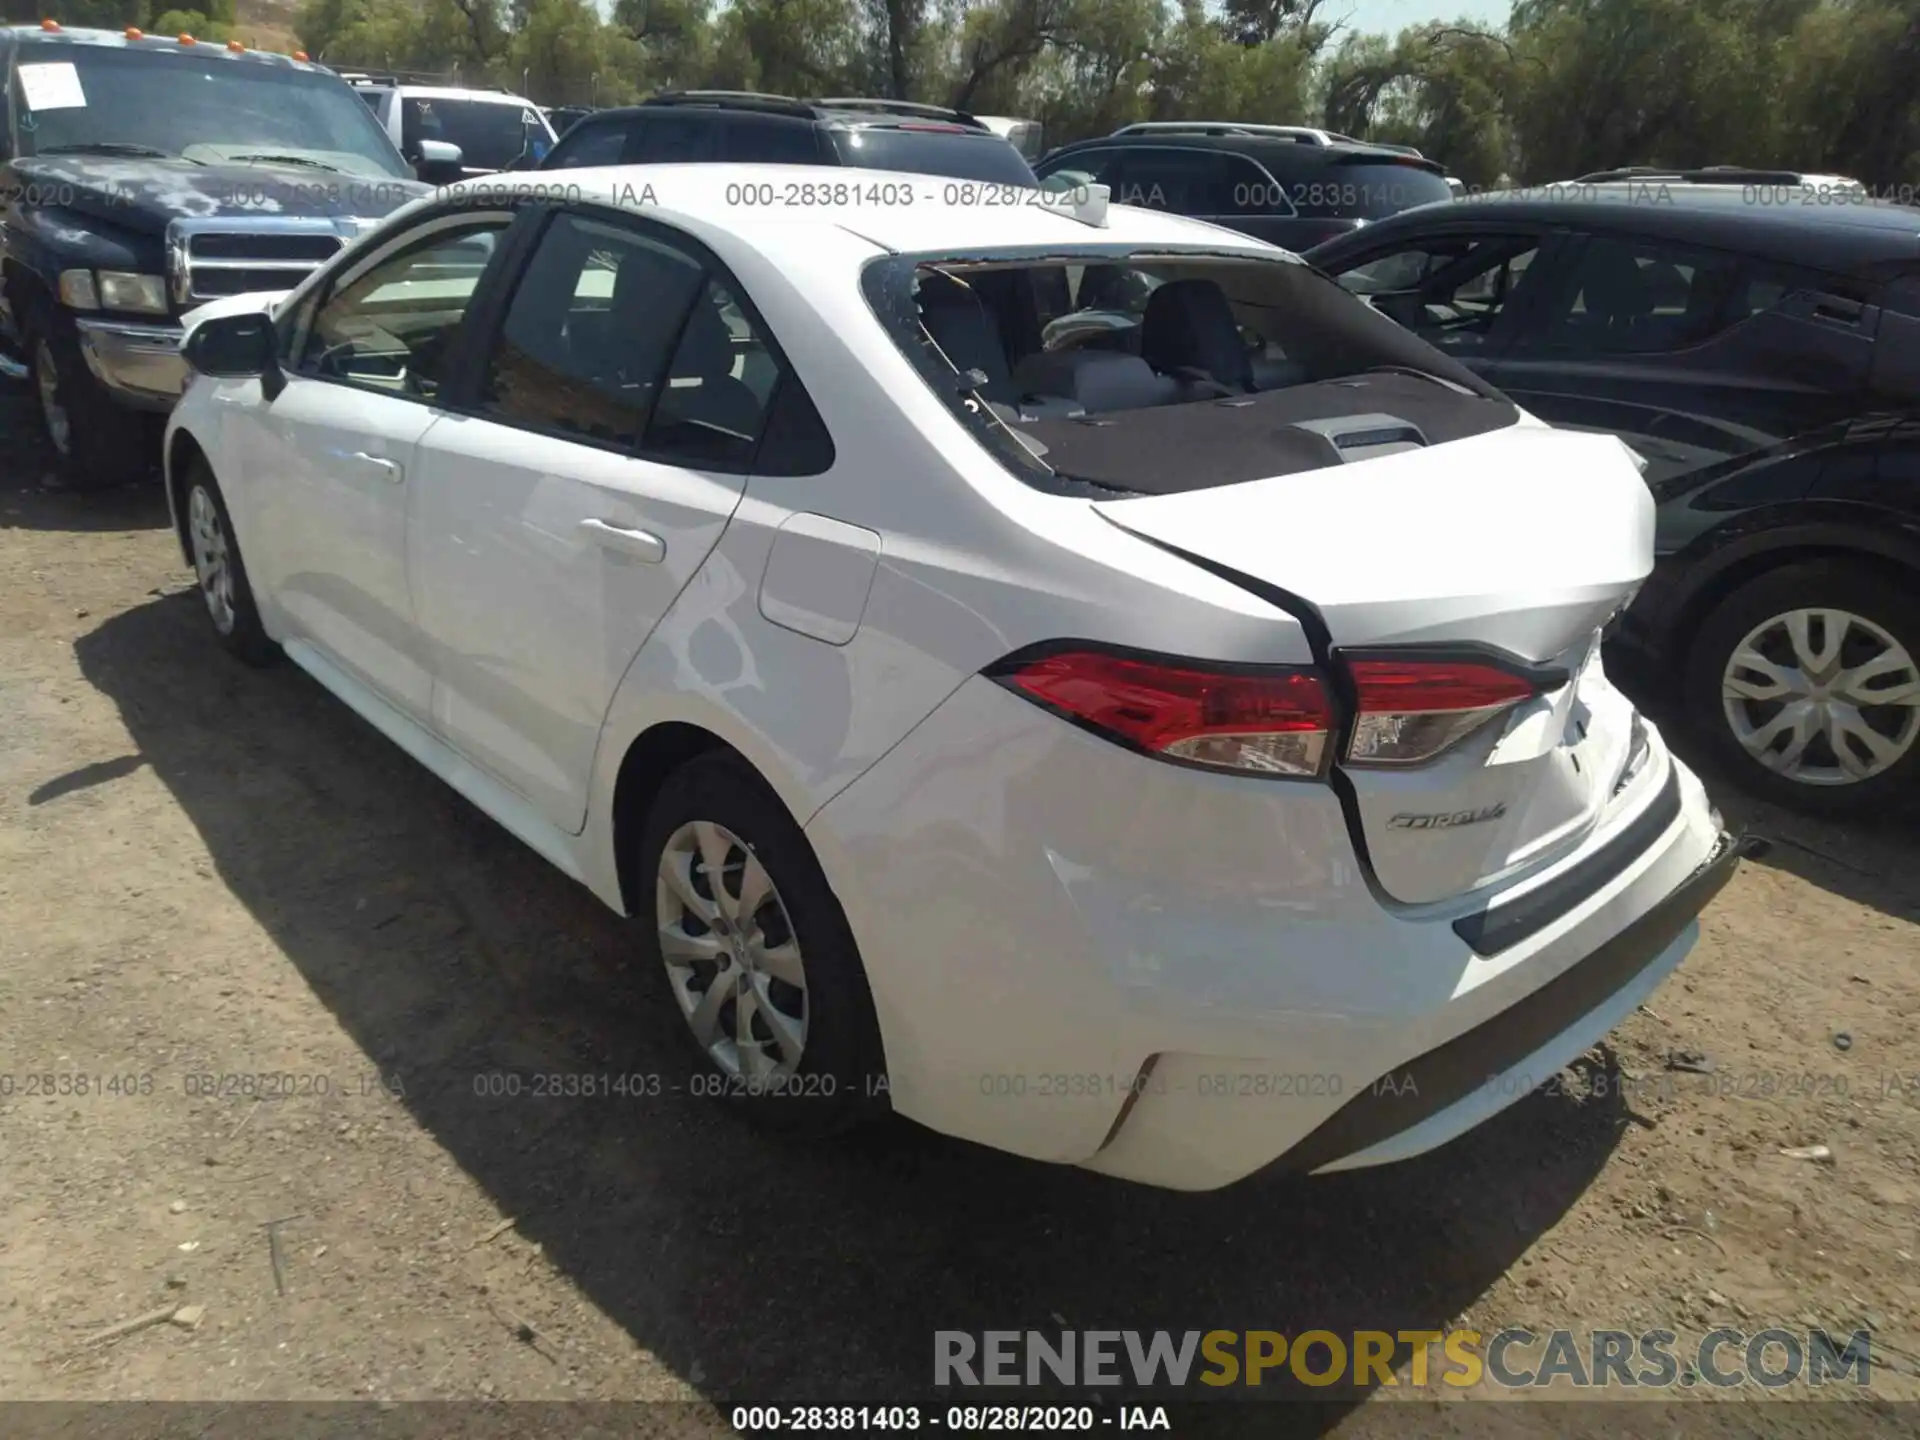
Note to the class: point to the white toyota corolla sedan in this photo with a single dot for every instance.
(1072, 675)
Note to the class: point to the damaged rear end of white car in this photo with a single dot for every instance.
(1364, 846)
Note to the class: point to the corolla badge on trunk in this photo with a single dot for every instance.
(1447, 820)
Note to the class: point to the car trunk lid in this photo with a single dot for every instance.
(1481, 570)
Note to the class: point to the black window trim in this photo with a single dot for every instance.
(579, 134)
(352, 266)
(461, 394)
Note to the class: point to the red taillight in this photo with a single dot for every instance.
(1271, 720)
(1411, 711)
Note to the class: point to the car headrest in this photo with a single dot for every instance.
(1188, 324)
(961, 327)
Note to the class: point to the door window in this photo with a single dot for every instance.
(1450, 291)
(588, 333)
(1640, 296)
(670, 139)
(587, 145)
(392, 327)
(770, 140)
(1186, 182)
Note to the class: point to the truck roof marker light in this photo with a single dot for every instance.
(301, 56)
(186, 39)
(134, 32)
(50, 24)
(236, 47)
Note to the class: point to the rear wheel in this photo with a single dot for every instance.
(1806, 682)
(739, 919)
(97, 443)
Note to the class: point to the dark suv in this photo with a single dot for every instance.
(1755, 338)
(693, 126)
(141, 177)
(1289, 185)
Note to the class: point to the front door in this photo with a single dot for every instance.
(338, 444)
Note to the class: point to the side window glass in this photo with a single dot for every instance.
(589, 145)
(1250, 191)
(1186, 182)
(672, 140)
(719, 387)
(768, 140)
(588, 332)
(1451, 294)
(1633, 296)
(393, 326)
(1088, 167)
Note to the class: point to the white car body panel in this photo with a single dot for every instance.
(1029, 900)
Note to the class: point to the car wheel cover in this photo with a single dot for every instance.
(46, 380)
(212, 558)
(1822, 697)
(731, 953)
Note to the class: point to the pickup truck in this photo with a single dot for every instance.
(142, 176)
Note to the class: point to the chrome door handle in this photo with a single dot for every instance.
(643, 545)
(388, 468)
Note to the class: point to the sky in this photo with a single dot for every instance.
(1389, 17)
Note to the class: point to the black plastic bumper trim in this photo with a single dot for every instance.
(1426, 1085)
(1502, 926)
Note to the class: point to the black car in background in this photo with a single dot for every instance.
(141, 177)
(1289, 185)
(717, 126)
(1756, 341)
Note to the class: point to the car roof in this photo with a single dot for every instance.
(802, 112)
(942, 216)
(1265, 148)
(1824, 232)
(119, 40)
(453, 92)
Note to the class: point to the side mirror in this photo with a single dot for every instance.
(439, 162)
(233, 347)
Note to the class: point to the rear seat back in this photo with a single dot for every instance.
(1095, 380)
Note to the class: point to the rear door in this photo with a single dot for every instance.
(602, 446)
(1694, 357)
(1463, 588)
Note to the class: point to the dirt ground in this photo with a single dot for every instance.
(211, 871)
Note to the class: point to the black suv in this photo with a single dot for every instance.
(694, 126)
(141, 177)
(1289, 185)
(1755, 338)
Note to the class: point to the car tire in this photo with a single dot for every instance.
(97, 444)
(219, 572)
(811, 1060)
(1820, 635)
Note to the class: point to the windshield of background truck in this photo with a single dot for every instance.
(208, 106)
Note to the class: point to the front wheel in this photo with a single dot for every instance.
(97, 444)
(220, 572)
(1806, 683)
(756, 953)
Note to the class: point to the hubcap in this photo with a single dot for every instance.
(1822, 697)
(210, 558)
(47, 380)
(731, 953)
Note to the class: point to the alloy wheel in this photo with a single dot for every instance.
(731, 953)
(1822, 697)
(212, 562)
(46, 379)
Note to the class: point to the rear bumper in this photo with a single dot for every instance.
(1448, 1090)
(1084, 956)
(141, 365)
